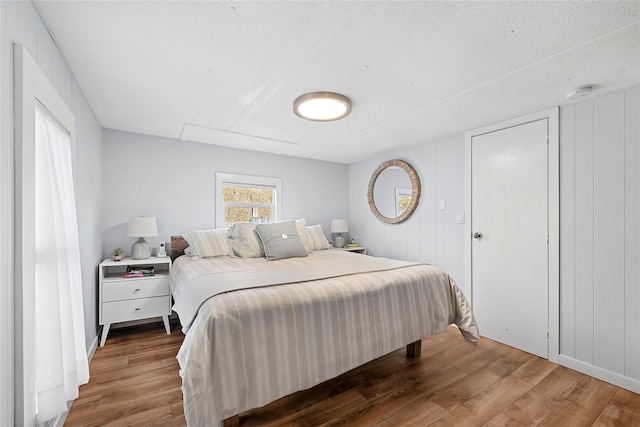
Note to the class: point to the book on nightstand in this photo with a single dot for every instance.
(139, 271)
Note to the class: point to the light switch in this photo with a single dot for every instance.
(443, 204)
(460, 217)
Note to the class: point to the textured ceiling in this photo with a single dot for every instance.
(226, 73)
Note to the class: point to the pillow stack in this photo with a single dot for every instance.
(273, 241)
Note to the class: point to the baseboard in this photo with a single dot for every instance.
(60, 419)
(601, 374)
(93, 348)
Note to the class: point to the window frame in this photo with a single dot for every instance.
(30, 86)
(246, 181)
(401, 192)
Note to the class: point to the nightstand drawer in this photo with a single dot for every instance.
(135, 288)
(121, 311)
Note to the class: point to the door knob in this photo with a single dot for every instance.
(477, 235)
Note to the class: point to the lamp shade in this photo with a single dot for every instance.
(142, 226)
(339, 226)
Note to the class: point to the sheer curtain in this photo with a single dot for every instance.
(61, 356)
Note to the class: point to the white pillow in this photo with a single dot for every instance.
(316, 238)
(207, 243)
(301, 225)
(245, 242)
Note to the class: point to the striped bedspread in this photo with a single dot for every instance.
(250, 347)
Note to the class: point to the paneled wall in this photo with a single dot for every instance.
(20, 23)
(175, 182)
(599, 229)
(432, 234)
(600, 235)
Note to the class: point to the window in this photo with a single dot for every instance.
(403, 199)
(50, 332)
(244, 198)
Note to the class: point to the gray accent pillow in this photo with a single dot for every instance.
(280, 240)
(245, 243)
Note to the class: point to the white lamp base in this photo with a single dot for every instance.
(338, 241)
(141, 249)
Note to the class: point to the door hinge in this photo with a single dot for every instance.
(547, 335)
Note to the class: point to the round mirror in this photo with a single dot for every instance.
(394, 191)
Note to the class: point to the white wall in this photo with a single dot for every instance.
(175, 182)
(599, 229)
(600, 234)
(430, 235)
(20, 23)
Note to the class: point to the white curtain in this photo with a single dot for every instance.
(61, 357)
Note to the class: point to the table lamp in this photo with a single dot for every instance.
(339, 226)
(141, 226)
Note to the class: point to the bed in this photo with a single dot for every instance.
(257, 330)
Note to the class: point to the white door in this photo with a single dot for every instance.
(509, 245)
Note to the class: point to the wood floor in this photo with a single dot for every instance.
(135, 381)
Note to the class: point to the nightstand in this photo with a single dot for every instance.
(356, 249)
(122, 299)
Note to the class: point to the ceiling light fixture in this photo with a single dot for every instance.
(322, 106)
(580, 92)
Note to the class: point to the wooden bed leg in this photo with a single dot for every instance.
(231, 421)
(414, 349)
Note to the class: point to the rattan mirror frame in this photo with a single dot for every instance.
(415, 191)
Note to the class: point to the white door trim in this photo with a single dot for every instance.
(554, 215)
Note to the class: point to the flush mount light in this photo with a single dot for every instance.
(580, 92)
(322, 106)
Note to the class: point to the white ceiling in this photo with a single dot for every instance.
(227, 73)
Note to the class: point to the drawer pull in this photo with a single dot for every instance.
(137, 309)
(136, 290)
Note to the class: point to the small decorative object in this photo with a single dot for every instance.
(352, 244)
(141, 226)
(339, 226)
(117, 254)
